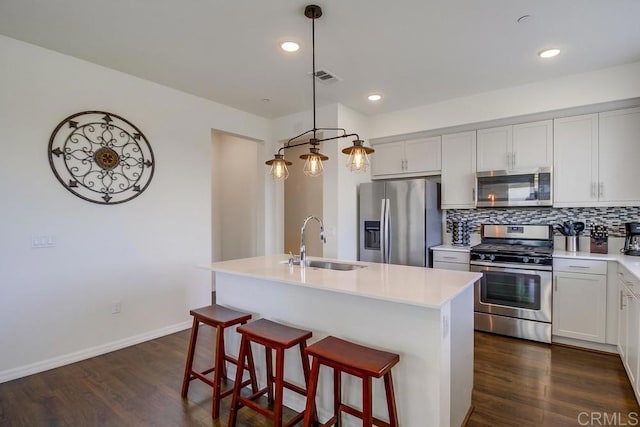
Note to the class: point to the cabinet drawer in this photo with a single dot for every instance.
(451, 256)
(450, 266)
(580, 266)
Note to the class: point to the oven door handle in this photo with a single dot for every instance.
(509, 267)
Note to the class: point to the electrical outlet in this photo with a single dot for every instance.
(43, 241)
(116, 306)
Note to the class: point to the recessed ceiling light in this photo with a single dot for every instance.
(290, 46)
(549, 53)
(374, 97)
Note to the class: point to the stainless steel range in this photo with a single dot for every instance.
(514, 295)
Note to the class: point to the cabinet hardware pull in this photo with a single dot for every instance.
(508, 160)
(513, 163)
(593, 190)
(473, 194)
(621, 300)
(601, 189)
(449, 257)
(555, 283)
(579, 266)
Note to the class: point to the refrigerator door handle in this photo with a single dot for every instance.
(387, 236)
(383, 231)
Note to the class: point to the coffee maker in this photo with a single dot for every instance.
(632, 239)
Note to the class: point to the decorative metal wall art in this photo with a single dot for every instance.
(101, 157)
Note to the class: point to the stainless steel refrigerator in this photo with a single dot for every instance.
(399, 221)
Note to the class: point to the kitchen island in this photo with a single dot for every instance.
(425, 315)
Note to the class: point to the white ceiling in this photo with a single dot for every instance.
(413, 52)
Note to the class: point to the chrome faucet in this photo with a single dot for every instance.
(303, 249)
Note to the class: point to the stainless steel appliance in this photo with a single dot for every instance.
(514, 295)
(514, 188)
(399, 221)
(632, 238)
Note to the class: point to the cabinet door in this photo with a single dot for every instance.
(494, 148)
(580, 306)
(422, 155)
(388, 158)
(458, 170)
(623, 314)
(619, 151)
(575, 160)
(533, 145)
(633, 348)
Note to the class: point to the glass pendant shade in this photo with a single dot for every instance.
(313, 162)
(358, 160)
(279, 170)
(358, 156)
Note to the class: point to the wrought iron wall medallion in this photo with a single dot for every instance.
(101, 157)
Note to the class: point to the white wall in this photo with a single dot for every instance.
(610, 84)
(55, 304)
(237, 191)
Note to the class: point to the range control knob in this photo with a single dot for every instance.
(492, 257)
(537, 260)
(481, 256)
(525, 259)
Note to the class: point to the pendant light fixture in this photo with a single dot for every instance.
(358, 153)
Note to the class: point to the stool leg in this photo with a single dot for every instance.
(190, 353)
(217, 372)
(391, 400)
(310, 408)
(367, 417)
(305, 371)
(252, 370)
(223, 368)
(233, 411)
(337, 395)
(277, 407)
(269, 372)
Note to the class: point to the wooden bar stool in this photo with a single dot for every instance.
(220, 318)
(363, 362)
(278, 337)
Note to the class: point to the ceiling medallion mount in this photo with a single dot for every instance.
(101, 157)
(358, 153)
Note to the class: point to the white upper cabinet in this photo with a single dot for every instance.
(459, 170)
(407, 158)
(595, 159)
(494, 148)
(619, 152)
(523, 146)
(575, 160)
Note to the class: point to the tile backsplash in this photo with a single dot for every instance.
(614, 218)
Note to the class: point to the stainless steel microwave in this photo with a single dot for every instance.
(532, 187)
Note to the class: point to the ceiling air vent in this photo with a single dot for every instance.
(326, 76)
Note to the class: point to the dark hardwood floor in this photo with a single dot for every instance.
(516, 383)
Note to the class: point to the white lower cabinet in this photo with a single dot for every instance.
(450, 260)
(580, 300)
(629, 326)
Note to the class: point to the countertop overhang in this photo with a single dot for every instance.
(419, 286)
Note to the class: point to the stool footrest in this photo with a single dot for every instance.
(295, 388)
(194, 375)
(356, 413)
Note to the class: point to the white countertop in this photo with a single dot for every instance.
(425, 287)
(631, 263)
(452, 248)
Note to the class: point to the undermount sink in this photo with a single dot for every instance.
(330, 265)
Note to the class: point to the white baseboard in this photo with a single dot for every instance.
(56, 362)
